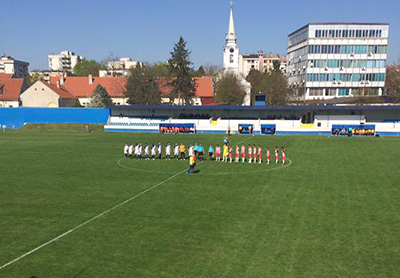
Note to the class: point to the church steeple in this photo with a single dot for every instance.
(231, 35)
(231, 49)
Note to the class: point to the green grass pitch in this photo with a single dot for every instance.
(334, 212)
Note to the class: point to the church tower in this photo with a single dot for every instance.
(231, 49)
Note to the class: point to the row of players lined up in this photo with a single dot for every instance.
(254, 153)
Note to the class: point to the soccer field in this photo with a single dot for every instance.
(333, 212)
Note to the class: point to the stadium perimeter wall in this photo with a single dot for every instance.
(17, 117)
(287, 120)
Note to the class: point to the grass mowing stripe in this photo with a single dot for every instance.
(97, 216)
(91, 219)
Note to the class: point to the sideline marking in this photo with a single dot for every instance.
(142, 170)
(254, 171)
(97, 216)
(91, 219)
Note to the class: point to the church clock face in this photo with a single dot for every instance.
(232, 50)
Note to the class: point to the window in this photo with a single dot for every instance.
(365, 33)
(330, 92)
(231, 58)
(344, 92)
(372, 33)
(316, 92)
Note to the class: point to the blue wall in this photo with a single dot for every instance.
(17, 117)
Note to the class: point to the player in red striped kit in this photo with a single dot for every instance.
(255, 153)
(259, 152)
(249, 151)
(237, 154)
(283, 153)
(243, 151)
(230, 154)
(268, 155)
(217, 153)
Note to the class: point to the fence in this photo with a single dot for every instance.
(17, 117)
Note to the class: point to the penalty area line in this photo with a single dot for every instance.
(91, 219)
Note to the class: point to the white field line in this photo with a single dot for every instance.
(95, 217)
(91, 219)
(254, 171)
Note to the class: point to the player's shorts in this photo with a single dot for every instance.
(217, 154)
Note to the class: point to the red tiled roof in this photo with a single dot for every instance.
(62, 91)
(11, 88)
(207, 101)
(203, 85)
(80, 87)
(6, 75)
(115, 86)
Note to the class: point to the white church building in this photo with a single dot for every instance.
(231, 56)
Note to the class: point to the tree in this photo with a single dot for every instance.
(229, 90)
(254, 78)
(276, 66)
(160, 69)
(111, 63)
(183, 86)
(211, 70)
(87, 67)
(141, 87)
(100, 97)
(275, 86)
(200, 72)
(35, 75)
(392, 85)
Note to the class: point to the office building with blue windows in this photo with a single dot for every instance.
(328, 60)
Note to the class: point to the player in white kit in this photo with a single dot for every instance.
(168, 151)
(176, 151)
(153, 151)
(146, 151)
(140, 151)
(130, 150)
(159, 149)
(136, 150)
(191, 150)
(126, 148)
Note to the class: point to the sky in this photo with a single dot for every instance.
(146, 30)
